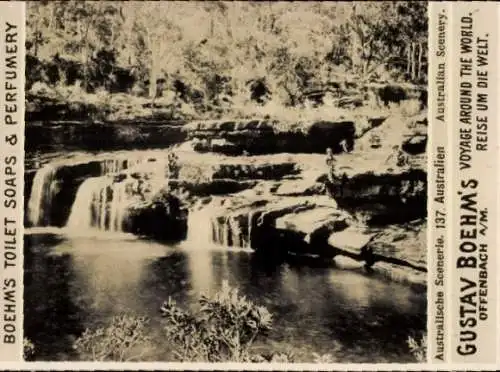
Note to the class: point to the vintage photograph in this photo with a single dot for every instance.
(226, 181)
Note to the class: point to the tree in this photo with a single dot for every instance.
(158, 35)
(219, 47)
(412, 26)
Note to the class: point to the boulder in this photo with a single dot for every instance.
(313, 225)
(350, 240)
(401, 245)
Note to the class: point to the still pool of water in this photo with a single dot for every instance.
(72, 283)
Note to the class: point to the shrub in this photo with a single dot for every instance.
(125, 339)
(222, 329)
(418, 347)
(41, 89)
(28, 349)
(323, 358)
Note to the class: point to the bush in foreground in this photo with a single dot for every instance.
(123, 340)
(418, 347)
(223, 329)
(28, 349)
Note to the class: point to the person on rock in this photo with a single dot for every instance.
(337, 183)
(173, 168)
(330, 163)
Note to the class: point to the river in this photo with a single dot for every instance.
(72, 283)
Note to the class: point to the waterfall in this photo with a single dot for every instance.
(199, 233)
(118, 206)
(100, 203)
(44, 194)
(41, 195)
(110, 166)
(208, 228)
(83, 209)
(218, 227)
(249, 238)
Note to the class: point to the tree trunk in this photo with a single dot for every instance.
(37, 37)
(85, 54)
(413, 61)
(153, 67)
(408, 59)
(419, 60)
(152, 80)
(366, 63)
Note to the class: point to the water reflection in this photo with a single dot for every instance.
(82, 281)
(52, 315)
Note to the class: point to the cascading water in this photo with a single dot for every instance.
(41, 196)
(100, 203)
(112, 166)
(199, 232)
(44, 193)
(210, 224)
(118, 206)
(103, 202)
(83, 212)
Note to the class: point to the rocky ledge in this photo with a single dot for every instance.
(237, 137)
(276, 204)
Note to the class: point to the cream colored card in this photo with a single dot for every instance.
(249, 185)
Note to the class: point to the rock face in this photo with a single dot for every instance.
(394, 251)
(161, 220)
(385, 244)
(267, 136)
(236, 170)
(85, 136)
(390, 198)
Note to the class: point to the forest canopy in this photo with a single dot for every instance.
(213, 52)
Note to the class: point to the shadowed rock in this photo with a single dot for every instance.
(162, 220)
(415, 144)
(255, 137)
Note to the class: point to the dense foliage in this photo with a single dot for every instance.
(223, 329)
(224, 53)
